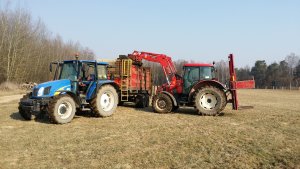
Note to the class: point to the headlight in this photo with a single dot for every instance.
(41, 91)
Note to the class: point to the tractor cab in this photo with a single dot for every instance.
(193, 73)
(81, 73)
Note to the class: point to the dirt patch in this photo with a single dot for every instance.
(6, 99)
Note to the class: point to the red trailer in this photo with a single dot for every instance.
(134, 81)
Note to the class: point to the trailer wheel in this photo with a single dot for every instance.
(210, 100)
(26, 114)
(61, 109)
(162, 103)
(142, 101)
(175, 108)
(106, 101)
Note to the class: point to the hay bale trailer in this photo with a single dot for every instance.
(134, 81)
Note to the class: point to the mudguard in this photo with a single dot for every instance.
(172, 97)
(93, 88)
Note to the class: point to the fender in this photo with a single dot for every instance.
(93, 88)
(70, 93)
(76, 99)
(171, 96)
(205, 83)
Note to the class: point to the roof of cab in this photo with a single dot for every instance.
(90, 61)
(198, 65)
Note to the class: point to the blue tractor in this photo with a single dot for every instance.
(77, 85)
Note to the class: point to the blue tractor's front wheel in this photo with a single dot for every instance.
(61, 109)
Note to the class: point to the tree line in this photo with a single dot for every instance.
(27, 47)
(278, 75)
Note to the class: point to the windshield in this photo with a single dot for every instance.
(207, 73)
(69, 71)
(199, 73)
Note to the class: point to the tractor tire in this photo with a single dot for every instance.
(105, 102)
(210, 101)
(142, 101)
(26, 114)
(121, 103)
(175, 108)
(61, 109)
(162, 103)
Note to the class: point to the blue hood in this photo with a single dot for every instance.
(56, 85)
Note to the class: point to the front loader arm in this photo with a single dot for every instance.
(164, 60)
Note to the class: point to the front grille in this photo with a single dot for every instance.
(35, 91)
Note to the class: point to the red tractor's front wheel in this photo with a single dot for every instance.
(162, 103)
(210, 100)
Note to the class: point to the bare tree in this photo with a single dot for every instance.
(27, 47)
(292, 61)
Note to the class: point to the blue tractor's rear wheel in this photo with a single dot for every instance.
(105, 102)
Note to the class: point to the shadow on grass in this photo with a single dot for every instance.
(182, 110)
(17, 116)
(44, 118)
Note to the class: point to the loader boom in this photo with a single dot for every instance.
(164, 60)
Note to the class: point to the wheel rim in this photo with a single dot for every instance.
(208, 101)
(161, 104)
(65, 110)
(107, 101)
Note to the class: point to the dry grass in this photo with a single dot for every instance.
(267, 136)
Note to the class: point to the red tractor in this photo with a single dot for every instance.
(198, 87)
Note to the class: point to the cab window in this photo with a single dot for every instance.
(87, 72)
(191, 74)
(206, 73)
(68, 71)
(102, 72)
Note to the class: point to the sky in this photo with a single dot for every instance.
(203, 31)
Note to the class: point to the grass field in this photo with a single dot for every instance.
(267, 136)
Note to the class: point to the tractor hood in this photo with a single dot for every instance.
(49, 89)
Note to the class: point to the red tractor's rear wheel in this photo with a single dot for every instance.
(210, 100)
(162, 103)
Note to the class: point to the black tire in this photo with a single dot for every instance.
(147, 100)
(210, 100)
(142, 101)
(121, 103)
(61, 109)
(175, 108)
(26, 114)
(162, 103)
(106, 93)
